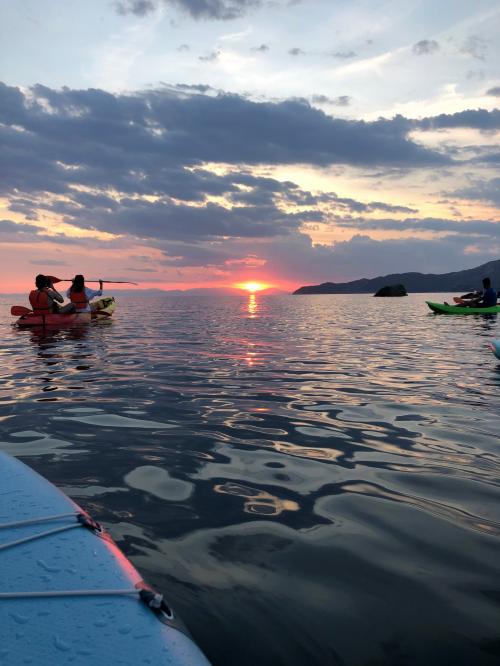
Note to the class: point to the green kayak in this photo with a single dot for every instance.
(442, 308)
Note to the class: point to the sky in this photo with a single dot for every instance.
(208, 143)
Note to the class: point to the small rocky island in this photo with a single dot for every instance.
(392, 290)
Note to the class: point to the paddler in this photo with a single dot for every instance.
(80, 295)
(44, 298)
(487, 299)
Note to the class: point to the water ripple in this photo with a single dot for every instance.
(321, 474)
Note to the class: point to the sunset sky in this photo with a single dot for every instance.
(189, 143)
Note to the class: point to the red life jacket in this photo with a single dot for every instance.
(79, 298)
(39, 300)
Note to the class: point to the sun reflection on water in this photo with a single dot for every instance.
(252, 306)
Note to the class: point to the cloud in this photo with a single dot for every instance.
(481, 190)
(475, 46)
(211, 57)
(183, 47)
(48, 262)
(494, 92)
(425, 46)
(296, 259)
(343, 55)
(296, 51)
(137, 7)
(143, 142)
(438, 225)
(361, 207)
(199, 9)
(473, 118)
(8, 226)
(341, 100)
(139, 170)
(262, 48)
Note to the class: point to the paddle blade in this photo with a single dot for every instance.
(54, 280)
(19, 310)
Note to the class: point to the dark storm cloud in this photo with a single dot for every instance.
(425, 46)
(200, 9)
(494, 92)
(473, 118)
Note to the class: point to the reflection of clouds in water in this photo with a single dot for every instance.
(90, 491)
(297, 475)
(306, 451)
(159, 483)
(39, 444)
(257, 501)
(116, 421)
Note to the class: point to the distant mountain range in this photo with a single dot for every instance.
(459, 281)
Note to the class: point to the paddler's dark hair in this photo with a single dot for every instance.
(40, 281)
(486, 283)
(78, 283)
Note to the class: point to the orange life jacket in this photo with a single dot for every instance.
(79, 298)
(39, 300)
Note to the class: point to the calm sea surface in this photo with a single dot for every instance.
(310, 480)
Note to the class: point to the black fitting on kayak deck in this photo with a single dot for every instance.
(157, 603)
(86, 521)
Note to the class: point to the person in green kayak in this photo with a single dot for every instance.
(44, 299)
(487, 299)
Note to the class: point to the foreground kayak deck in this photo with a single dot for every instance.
(441, 308)
(104, 309)
(77, 628)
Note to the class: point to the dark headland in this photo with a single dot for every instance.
(459, 281)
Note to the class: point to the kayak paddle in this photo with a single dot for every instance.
(56, 279)
(19, 310)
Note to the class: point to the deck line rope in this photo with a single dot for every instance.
(32, 537)
(35, 521)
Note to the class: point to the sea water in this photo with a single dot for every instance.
(309, 480)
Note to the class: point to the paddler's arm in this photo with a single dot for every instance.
(54, 294)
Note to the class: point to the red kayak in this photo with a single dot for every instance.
(105, 308)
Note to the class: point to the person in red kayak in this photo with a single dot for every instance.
(80, 295)
(44, 299)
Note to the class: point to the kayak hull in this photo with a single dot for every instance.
(442, 308)
(72, 629)
(104, 310)
(495, 348)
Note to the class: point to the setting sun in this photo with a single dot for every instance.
(252, 287)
